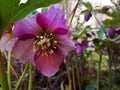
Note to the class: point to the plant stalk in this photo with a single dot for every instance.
(9, 70)
(21, 78)
(30, 76)
(98, 72)
(3, 76)
(68, 73)
(77, 72)
(73, 77)
(110, 70)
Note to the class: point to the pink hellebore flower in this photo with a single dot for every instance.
(7, 41)
(44, 38)
(80, 47)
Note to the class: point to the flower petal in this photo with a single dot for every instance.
(23, 51)
(7, 42)
(65, 45)
(48, 65)
(54, 18)
(79, 49)
(60, 31)
(26, 26)
(42, 21)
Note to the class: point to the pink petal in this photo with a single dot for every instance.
(65, 45)
(79, 49)
(55, 16)
(52, 19)
(48, 65)
(60, 31)
(7, 42)
(23, 50)
(42, 21)
(26, 26)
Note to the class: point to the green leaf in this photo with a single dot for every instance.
(100, 33)
(44, 9)
(114, 23)
(111, 44)
(95, 11)
(31, 5)
(11, 10)
(84, 11)
(87, 5)
(62, 86)
(77, 33)
(90, 87)
(100, 44)
(113, 14)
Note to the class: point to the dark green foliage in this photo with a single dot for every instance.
(12, 10)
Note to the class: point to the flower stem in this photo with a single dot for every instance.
(3, 77)
(30, 76)
(73, 77)
(110, 72)
(77, 73)
(9, 70)
(110, 76)
(98, 71)
(21, 78)
(68, 73)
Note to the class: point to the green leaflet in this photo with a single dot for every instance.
(11, 10)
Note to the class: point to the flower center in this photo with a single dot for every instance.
(45, 40)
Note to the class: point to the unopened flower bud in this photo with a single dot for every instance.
(111, 32)
(87, 16)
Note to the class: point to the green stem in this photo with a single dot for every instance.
(68, 73)
(73, 78)
(110, 70)
(3, 77)
(98, 71)
(77, 72)
(110, 76)
(30, 76)
(9, 70)
(21, 78)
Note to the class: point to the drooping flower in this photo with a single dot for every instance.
(111, 33)
(44, 39)
(7, 40)
(87, 16)
(80, 47)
